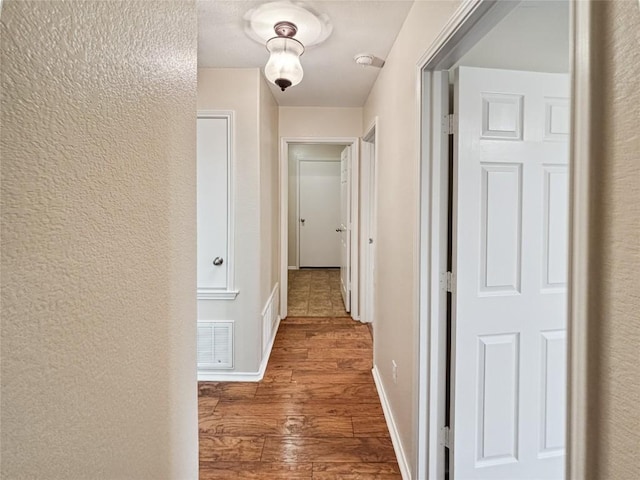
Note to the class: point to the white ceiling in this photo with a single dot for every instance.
(331, 77)
(533, 37)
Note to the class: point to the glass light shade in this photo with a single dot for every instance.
(283, 68)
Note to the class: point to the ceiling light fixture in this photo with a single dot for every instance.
(283, 68)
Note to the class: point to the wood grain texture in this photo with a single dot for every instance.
(304, 449)
(255, 470)
(372, 426)
(315, 415)
(230, 449)
(356, 471)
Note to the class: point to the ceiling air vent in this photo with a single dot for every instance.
(215, 345)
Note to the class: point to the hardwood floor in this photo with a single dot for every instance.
(315, 415)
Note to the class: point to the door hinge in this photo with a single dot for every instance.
(448, 281)
(449, 123)
(445, 437)
(451, 282)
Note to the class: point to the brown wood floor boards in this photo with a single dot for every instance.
(315, 415)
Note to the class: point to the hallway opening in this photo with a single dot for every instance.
(304, 245)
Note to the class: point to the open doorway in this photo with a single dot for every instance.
(319, 225)
(317, 230)
(498, 116)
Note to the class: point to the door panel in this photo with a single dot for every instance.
(319, 213)
(345, 227)
(509, 260)
(212, 198)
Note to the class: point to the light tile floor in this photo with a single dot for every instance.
(315, 292)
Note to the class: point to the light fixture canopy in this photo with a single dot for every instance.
(284, 68)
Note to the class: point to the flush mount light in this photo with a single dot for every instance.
(283, 68)
(288, 19)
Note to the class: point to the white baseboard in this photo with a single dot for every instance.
(218, 376)
(293, 268)
(391, 425)
(211, 376)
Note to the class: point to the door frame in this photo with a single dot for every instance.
(353, 142)
(369, 208)
(471, 21)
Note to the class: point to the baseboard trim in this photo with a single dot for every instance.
(391, 425)
(293, 268)
(211, 376)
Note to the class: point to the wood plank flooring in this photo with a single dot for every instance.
(315, 415)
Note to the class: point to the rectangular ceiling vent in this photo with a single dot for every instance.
(215, 345)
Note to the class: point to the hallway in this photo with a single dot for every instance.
(315, 415)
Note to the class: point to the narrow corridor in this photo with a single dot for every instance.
(315, 415)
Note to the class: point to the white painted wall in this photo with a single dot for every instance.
(394, 101)
(320, 122)
(269, 192)
(299, 152)
(255, 202)
(98, 217)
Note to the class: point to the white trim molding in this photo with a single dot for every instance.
(368, 215)
(204, 293)
(270, 318)
(401, 456)
(582, 157)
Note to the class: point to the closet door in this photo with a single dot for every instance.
(214, 212)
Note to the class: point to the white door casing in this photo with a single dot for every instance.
(319, 213)
(510, 266)
(367, 219)
(353, 143)
(345, 227)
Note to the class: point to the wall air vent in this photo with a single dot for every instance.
(215, 345)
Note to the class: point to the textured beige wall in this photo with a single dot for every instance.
(320, 122)
(238, 90)
(269, 192)
(614, 309)
(394, 100)
(98, 240)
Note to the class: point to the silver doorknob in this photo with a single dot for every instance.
(217, 261)
(302, 221)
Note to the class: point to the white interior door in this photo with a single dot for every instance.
(345, 227)
(510, 265)
(212, 201)
(319, 207)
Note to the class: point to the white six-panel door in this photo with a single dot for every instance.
(345, 227)
(510, 267)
